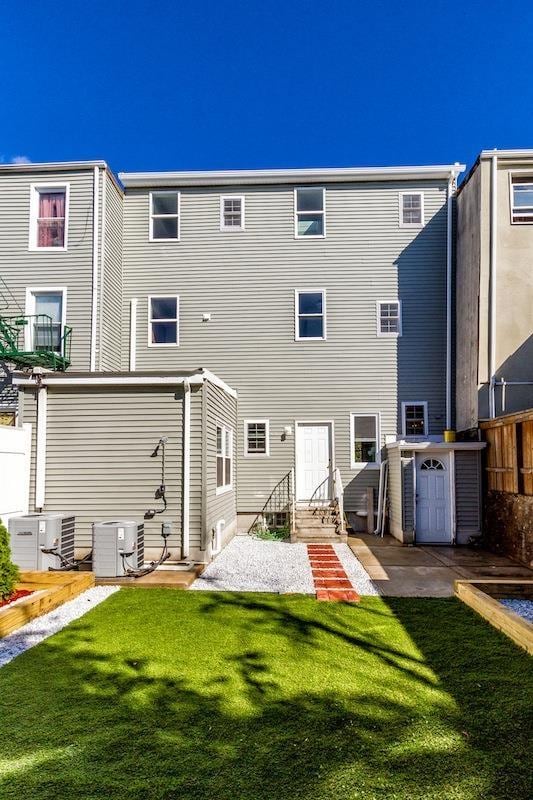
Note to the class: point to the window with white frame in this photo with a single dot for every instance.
(256, 437)
(364, 429)
(310, 212)
(522, 200)
(164, 216)
(414, 418)
(48, 217)
(163, 321)
(47, 310)
(232, 213)
(411, 209)
(310, 313)
(224, 458)
(389, 318)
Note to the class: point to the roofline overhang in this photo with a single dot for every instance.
(52, 166)
(507, 154)
(133, 180)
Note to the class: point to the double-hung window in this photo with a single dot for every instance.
(48, 217)
(46, 308)
(163, 321)
(414, 418)
(310, 314)
(256, 437)
(232, 213)
(310, 212)
(164, 216)
(411, 209)
(389, 318)
(224, 458)
(364, 436)
(522, 200)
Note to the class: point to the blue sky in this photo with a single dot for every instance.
(221, 85)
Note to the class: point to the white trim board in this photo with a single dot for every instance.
(35, 189)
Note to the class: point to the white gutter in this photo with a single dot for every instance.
(110, 380)
(94, 306)
(133, 334)
(102, 276)
(449, 245)
(216, 381)
(40, 448)
(492, 283)
(186, 468)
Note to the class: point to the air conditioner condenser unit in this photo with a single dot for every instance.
(32, 535)
(118, 546)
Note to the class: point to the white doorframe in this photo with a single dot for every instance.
(448, 458)
(300, 422)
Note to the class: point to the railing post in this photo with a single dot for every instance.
(292, 503)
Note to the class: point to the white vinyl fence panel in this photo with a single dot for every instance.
(15, 444)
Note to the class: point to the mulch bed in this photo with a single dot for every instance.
(15, 596)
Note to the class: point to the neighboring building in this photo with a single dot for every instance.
(494, 288)
(322, 300)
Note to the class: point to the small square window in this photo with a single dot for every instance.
(310, 315)
(411, 209)
(389, 318)
(164, 216)
(522, 200)
(256, 437)
(232, 213)
(365, 439)
(310, 212)
(414, 419)
(163, 321)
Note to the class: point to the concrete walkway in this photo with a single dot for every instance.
(429, 570)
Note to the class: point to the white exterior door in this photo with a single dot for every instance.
(313, 461)
(433, 512)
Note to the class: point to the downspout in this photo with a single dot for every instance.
(492, 285)
(102, 273)
(94, 309)
(186, 468)
(40, 448)
(133, 334)
(449, 245)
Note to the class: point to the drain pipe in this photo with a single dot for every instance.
(186, 468)
(449, 245)
(492, 284)
(94, 298)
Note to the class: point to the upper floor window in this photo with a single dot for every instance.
(522, 200)
(232, 213)
(365, 435)
(310, 313)
(310, 212)
(256, 437)
(48, 217)
(414, 418)
(163, 324)
(411, 209)
(389, 318)
(224, 458)
(164, 216)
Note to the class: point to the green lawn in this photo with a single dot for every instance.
(167, 694)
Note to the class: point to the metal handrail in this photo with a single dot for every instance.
(320, 485)
(280, 501)
(337, 500)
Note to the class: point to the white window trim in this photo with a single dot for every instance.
(296, 212)
(380, 333)
(403, 224)
(150, 320)
(229, 228)
(526, 176)
(365, 464)
(35, 190)
(297, 337)
(226, 431)
(31, 291)
(177, 216)
(266, 423)
(415, 403)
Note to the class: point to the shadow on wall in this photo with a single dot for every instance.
(355, 496)
(511, 398)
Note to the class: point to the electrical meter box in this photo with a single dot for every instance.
(33, 534)
(118, 545)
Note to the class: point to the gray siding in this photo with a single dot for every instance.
(110, 308)
(246, 281)
(467, 494)
(220, 408)
(22, 268)
(407, 467)
(395, 493)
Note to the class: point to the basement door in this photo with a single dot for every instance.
(313, 461)
(433, 512)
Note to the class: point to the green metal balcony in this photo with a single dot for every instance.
(35, 341)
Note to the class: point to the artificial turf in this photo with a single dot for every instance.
(164, 694)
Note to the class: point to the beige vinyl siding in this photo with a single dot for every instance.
(110, 308)
(395, 493)
(246, 281)
(22, 268)
(467, 494)
(196, 481)
(221, 408)
(408, 467)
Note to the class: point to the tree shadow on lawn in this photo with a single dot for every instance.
(247, 697)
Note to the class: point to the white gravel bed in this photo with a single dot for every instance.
(254, 565)
(522, 607)
(42, 627)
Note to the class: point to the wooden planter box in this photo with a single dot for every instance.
(482, 594)
(50, 589)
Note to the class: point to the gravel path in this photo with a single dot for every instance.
(522, 607)
(255, 565)
(41, 628)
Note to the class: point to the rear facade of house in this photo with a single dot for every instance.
(279, 329)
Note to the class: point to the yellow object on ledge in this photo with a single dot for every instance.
(449, 436)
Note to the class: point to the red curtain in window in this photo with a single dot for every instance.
(51, 220)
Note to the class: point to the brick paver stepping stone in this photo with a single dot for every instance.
(329, 577)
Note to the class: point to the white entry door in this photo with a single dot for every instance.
(433, 512)
(313, 459)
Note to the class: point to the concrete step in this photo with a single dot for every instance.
(333, 539)
(315, 522)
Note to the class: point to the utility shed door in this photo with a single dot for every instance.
(433, 517)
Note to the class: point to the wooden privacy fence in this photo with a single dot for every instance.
(509, 454)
